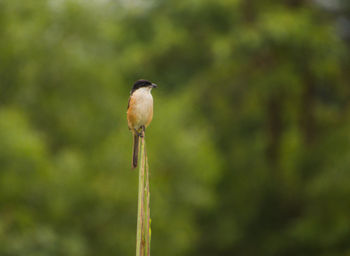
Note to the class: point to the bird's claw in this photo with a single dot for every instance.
(142, 133)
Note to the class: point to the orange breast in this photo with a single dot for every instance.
(140, 111)
(150, 117)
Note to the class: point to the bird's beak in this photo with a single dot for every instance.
(154, 86)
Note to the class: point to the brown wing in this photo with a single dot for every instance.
(131, 92)
(129, 102)
(130, 114)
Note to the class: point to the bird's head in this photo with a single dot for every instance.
(142, 84)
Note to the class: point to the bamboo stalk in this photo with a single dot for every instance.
(140, 211)
(143, 239)
(147, 215)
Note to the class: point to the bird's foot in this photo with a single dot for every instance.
(140, 132)
(143, 130)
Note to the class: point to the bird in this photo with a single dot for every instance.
(140, 112)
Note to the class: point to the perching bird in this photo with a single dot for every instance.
(140, 112)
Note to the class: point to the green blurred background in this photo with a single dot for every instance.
(249, 147)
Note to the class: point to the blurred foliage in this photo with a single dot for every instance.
(249, 146)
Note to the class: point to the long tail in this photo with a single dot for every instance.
(135, 152)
